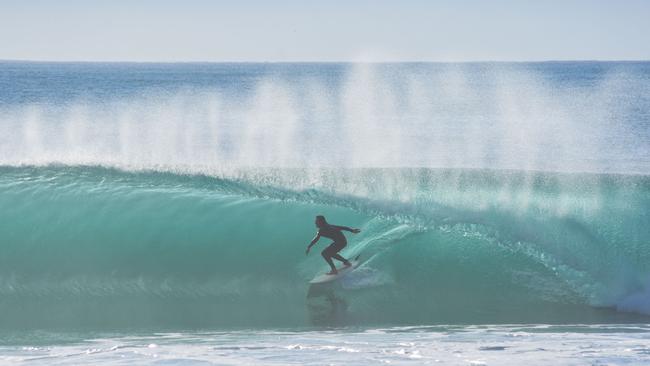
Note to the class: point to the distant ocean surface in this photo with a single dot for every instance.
(159, 213)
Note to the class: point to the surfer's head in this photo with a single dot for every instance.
(320, 221)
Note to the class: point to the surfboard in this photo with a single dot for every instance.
(343, 271)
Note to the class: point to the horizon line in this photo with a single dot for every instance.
(8, 60)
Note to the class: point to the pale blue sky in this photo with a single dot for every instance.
(328, 30)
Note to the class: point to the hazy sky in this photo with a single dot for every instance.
(327, 30)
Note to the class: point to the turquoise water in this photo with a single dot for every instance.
(170, 205)
(151, 249)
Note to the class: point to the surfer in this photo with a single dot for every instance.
(335, 233)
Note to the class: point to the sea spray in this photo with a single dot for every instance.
(485, 115)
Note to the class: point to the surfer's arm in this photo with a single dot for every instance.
(348, 229)
(313, 241)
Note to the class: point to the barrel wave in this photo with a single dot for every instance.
(99, 247)
(182, 196)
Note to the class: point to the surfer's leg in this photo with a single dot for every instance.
(336, 248)
(327, 255)
(340, 258)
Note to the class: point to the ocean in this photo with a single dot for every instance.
(159, 213)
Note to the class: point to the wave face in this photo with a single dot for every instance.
(97, 247)
(183, 195)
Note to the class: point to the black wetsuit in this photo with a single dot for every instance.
(334, 232)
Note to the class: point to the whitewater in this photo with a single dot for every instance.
(158, 213)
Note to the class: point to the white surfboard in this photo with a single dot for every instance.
(342, 271)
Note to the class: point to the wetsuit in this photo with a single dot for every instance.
(334, 232)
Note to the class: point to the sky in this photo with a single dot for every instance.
(326, 30)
